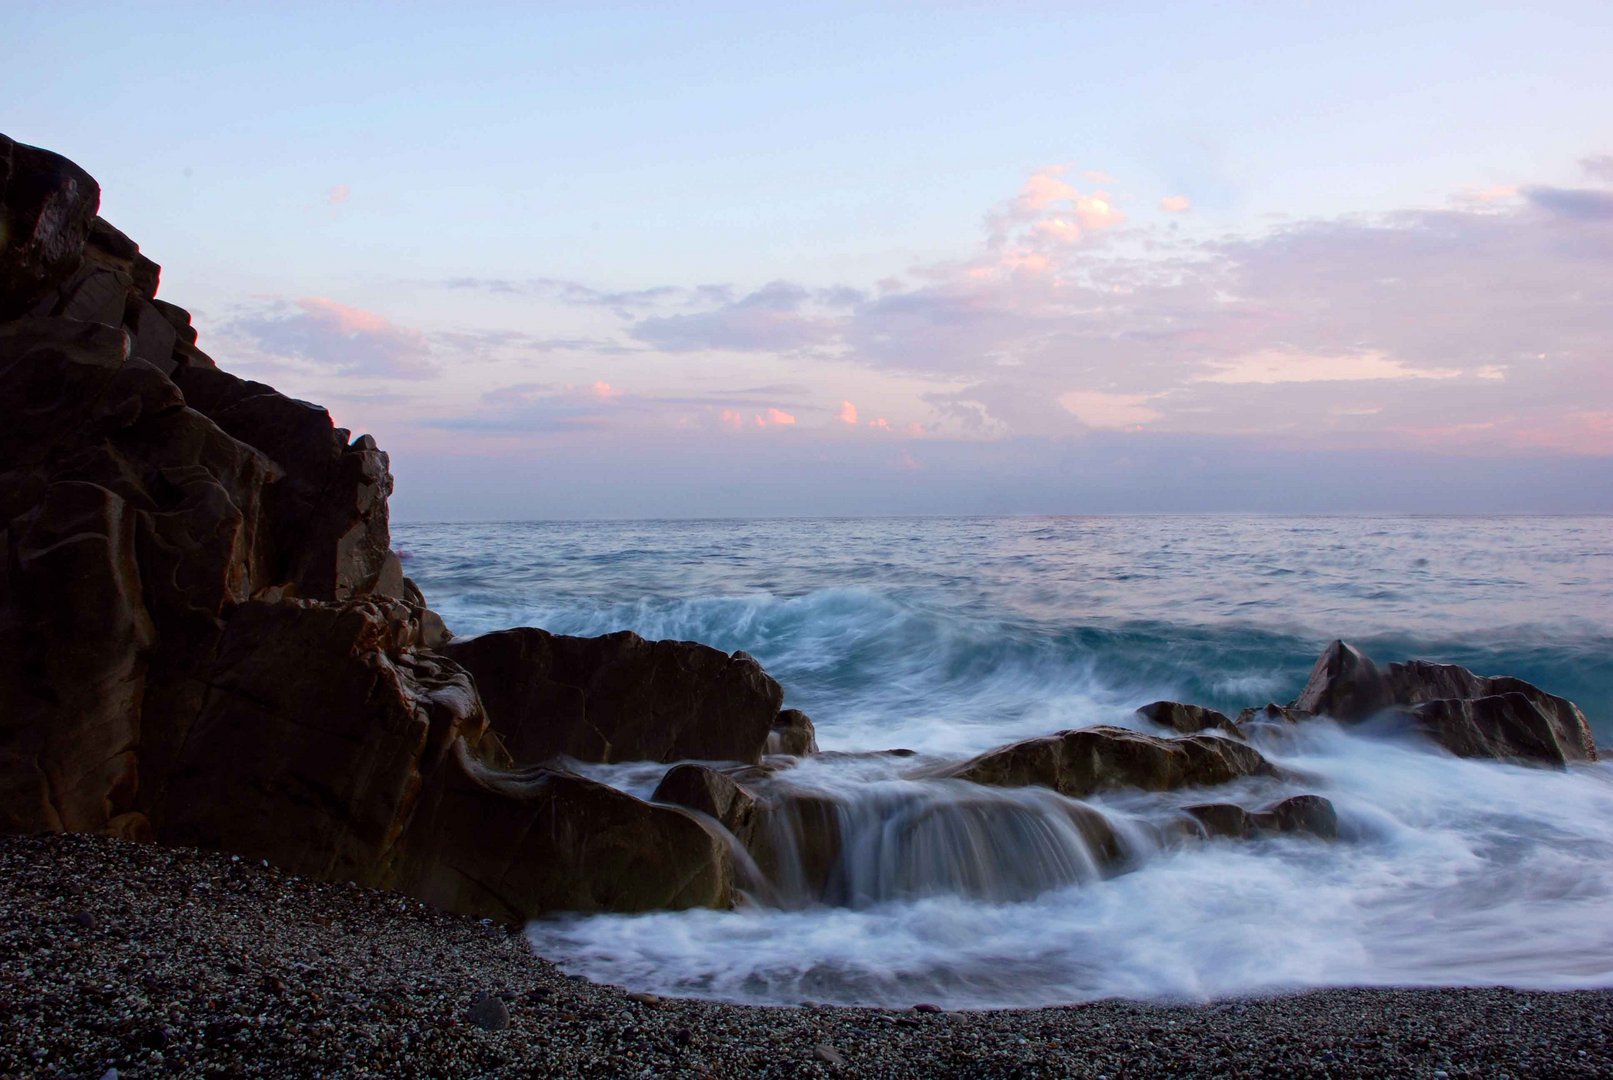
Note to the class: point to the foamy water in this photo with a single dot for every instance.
(950, 637)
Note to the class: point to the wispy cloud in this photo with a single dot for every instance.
(334, 338)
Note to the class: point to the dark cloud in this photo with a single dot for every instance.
(1583, 204)
(770, 319)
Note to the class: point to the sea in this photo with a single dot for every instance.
(950, 636)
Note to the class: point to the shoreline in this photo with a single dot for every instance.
(169, 961)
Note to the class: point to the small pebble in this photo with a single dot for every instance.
(829, 1055)
(489, 1013)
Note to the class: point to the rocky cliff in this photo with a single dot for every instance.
(206, 639)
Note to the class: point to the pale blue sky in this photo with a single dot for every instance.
(321, 182)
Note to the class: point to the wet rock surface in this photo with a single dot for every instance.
(1308, 814)
(1470, 715)
(196, 964)
(1088, 760)
(619, 697)
(1186, 719)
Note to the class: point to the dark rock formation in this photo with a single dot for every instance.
(1309, 814)
(318, 729)
(702, 788)
(1088, 760)
(1345, 685)
(1512, 725)
(792, 735)
(1186, 719)
(205, 638)
(796, 843)
(1470, 715)
(47, 205)
(517, 843)
(619, 697)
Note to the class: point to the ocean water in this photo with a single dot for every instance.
(950, 636)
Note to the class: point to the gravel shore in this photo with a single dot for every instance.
(157, 962)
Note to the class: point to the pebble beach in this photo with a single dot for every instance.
(131, 960)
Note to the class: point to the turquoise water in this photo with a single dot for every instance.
(949, 636)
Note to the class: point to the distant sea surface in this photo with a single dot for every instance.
(951, 636)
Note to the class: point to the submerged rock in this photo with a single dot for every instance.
(1310, 814)
(1087, 760)
(619, 697)
(1186, 719)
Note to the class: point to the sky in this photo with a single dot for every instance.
(704, 260)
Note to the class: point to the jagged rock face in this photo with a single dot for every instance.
(1308, 814)
(320, 724)
(1087, 760)
(1186, 719)
(1345, 685)
(329, 510)
(619, 697)
(204, 636)
(1470, 715)
(74, 678)
(47, 205)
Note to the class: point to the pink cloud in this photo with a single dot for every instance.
(338, 194)
(880, 423)
(347, 320)
(1176, 204)
(779, 416)
(847, 413)
(604, 391)
(731, 418)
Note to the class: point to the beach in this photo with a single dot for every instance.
(158, 961)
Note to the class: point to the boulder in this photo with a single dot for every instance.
(1514, 725)
(702, 788)
(1345, 685)
(792, 735)
(1186, 719)
(47, 207)
(1309, 814)
(515, 844)
(1087, 760)
(619, 697)
(1470, 715)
